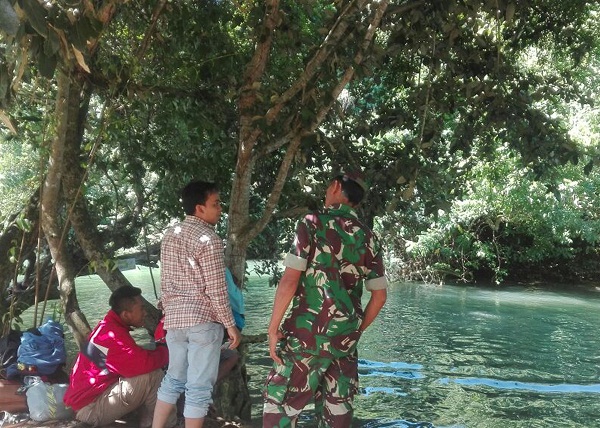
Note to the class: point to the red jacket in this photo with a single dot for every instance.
(109, 354)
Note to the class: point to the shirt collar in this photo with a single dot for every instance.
(341, 209)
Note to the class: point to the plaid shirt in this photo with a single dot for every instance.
(192, 277)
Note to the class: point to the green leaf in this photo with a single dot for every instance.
(36, 15)
(4, 81)
(23, 224)
(84, 29)
(47, 64)
(9, 21)
(52, 43)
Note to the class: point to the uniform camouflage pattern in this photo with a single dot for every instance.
(332, 383)
(322, 329)
(341, 252)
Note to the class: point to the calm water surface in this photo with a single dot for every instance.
(457, 356)
(450, 356)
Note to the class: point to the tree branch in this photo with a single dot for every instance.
(331, 41)
(337, 89)
(358, 59)
(280, 180)
(146, 42)
(292, 212)
(295, 136)
(254, 72)
(395, 10)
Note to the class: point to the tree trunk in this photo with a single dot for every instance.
(233, 395)
(54, 227)
(85, 227)
(233, 391)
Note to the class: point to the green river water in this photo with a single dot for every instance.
(449, 356)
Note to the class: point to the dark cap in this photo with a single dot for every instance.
(358, 177)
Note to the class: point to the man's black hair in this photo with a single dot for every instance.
(123, 297)
(353, 191)
(196, 193)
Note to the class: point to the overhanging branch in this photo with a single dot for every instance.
(258, 226)
(339, 86)
(146, 42)
(331, 41)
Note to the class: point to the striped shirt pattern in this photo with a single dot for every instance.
(192, 277)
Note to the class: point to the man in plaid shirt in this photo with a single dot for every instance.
(196, 306)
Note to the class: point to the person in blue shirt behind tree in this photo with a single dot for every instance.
(236, 298)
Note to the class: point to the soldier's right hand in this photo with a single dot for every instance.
(274, 339)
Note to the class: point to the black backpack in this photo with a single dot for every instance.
(9, 345)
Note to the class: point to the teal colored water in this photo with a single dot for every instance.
(458, 356)
(450, 356)
(472, 357)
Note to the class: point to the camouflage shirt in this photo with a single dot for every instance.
(337, 254)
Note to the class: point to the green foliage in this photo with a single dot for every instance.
(18, 161)
(509, 222)
(453, 78)
(271, 268)
(443, 86)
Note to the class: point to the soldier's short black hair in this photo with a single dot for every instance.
(354, 191)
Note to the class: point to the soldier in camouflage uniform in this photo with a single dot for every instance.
(332, 256)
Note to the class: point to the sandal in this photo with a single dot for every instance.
(12, 420)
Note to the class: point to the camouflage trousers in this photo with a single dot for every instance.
(290, 386)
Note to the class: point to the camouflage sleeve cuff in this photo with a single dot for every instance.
(295, 262)
(376, 283)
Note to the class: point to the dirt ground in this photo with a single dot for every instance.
(208, 423)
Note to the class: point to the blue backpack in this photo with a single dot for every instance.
(42, 350)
